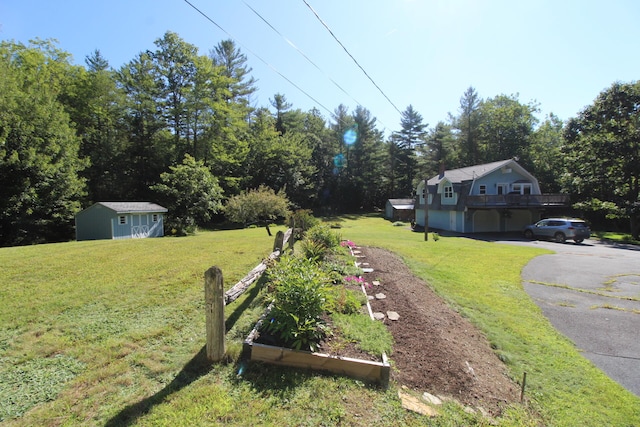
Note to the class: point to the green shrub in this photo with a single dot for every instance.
(324, 235)
(301, 291)
(301, 220)
(313, 251)
(345, 301)
(338, 270)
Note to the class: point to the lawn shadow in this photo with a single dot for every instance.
(197, 367)
(247, 299)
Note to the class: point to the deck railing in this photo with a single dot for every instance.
(519, 200)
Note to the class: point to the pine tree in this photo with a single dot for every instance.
(468, 125)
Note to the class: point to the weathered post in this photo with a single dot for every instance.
(292, 236)
(214, 306)
(426, 210)
(524, 385)
(278, 243)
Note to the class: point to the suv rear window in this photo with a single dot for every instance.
(578, 223)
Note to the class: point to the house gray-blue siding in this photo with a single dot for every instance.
(120, 220)
(493, 197)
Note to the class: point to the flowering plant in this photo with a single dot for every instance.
(348, 243)
(357, 279)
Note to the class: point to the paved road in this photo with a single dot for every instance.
(604, 325)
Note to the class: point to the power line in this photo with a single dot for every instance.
(260, 58)
(301, 53)
(351, 56)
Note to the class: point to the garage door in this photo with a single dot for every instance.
(484, 221)
(518, 220)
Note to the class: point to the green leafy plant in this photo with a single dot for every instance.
(301, 291)
(314, 251)
(301, 220)
(324, 235)
(372, 337)
(346, 301)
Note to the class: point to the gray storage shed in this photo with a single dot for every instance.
(399, 209)
(120, 220)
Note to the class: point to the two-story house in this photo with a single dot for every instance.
(494, 197)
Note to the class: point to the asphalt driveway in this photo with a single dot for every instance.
(583, 290)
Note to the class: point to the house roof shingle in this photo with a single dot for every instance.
(469, 173)
(131, 207)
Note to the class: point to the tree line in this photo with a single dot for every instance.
(178, 128)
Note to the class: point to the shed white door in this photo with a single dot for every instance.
(139, 226)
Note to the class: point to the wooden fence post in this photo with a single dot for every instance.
(279, 242)
(292, 236)
(214, 306)
(215, 298)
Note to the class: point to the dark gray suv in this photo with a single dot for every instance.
(559, 229)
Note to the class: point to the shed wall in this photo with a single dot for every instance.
(94, 223)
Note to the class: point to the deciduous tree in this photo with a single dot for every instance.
(40, 187)
(602, 154)
(190, 193)
(259, 205)
(505, 128)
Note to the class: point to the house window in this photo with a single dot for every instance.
(154, 217)
(521, 188)
(448, 192)
(483, 189)
(122, 220)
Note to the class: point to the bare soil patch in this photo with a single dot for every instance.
(435, 349)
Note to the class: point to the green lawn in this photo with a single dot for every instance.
(112, 333)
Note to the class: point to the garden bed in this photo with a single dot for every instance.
(342, 356)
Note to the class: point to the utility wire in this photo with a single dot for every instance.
(351, 56)
(260, 58)
(301, 53)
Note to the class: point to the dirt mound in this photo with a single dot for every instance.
(436, 350)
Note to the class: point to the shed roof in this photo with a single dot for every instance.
(402, 203)
(131, 207)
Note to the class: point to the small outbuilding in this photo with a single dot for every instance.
(120, 220)
(399, 209)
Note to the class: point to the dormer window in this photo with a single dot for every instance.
(448, 192)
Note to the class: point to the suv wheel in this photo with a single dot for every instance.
(528, 234)
(560, 237)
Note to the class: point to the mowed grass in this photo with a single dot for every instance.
(119, 318)
(112, 333)
(482, 280)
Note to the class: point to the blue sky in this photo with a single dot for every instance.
(560, 54)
